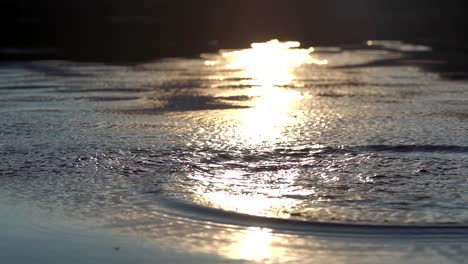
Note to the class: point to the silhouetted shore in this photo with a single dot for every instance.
(123, 30)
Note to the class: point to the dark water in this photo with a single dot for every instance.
(327, 143)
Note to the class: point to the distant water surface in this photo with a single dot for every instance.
(276, 143)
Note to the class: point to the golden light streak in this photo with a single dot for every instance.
(272, 62)
(271, 114)
(253, 244)
(265, 69)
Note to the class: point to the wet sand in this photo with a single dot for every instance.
(31, 235)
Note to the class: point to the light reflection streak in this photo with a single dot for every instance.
(222, 244)
(253, 244)
(250, 194)
(250, 204)
(271, 63)
(272, 113)
(267, 69)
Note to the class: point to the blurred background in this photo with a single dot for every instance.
(142, 29)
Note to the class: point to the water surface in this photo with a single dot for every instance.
(326, 152)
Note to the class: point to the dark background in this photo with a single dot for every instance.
(144, 29)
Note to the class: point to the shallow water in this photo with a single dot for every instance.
(316, 152)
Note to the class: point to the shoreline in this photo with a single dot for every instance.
(31, 235)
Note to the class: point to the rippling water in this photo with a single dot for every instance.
(274, 136)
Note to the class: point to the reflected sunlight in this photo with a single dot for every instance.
(273, 109)
(272, 112)
(254, 204)
(271, 63)
(253, 244)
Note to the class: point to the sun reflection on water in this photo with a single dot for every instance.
(274, 110)
(253, 244)
(256, 204)
(272, 62)
(267, 69)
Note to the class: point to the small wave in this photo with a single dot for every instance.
(197, 212)
(101, 90)
(26, 87)
(109, 98)
(373, 148)
(415, 148)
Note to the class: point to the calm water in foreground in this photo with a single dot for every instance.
(274, 153)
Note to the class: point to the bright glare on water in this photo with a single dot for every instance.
(275, 130)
